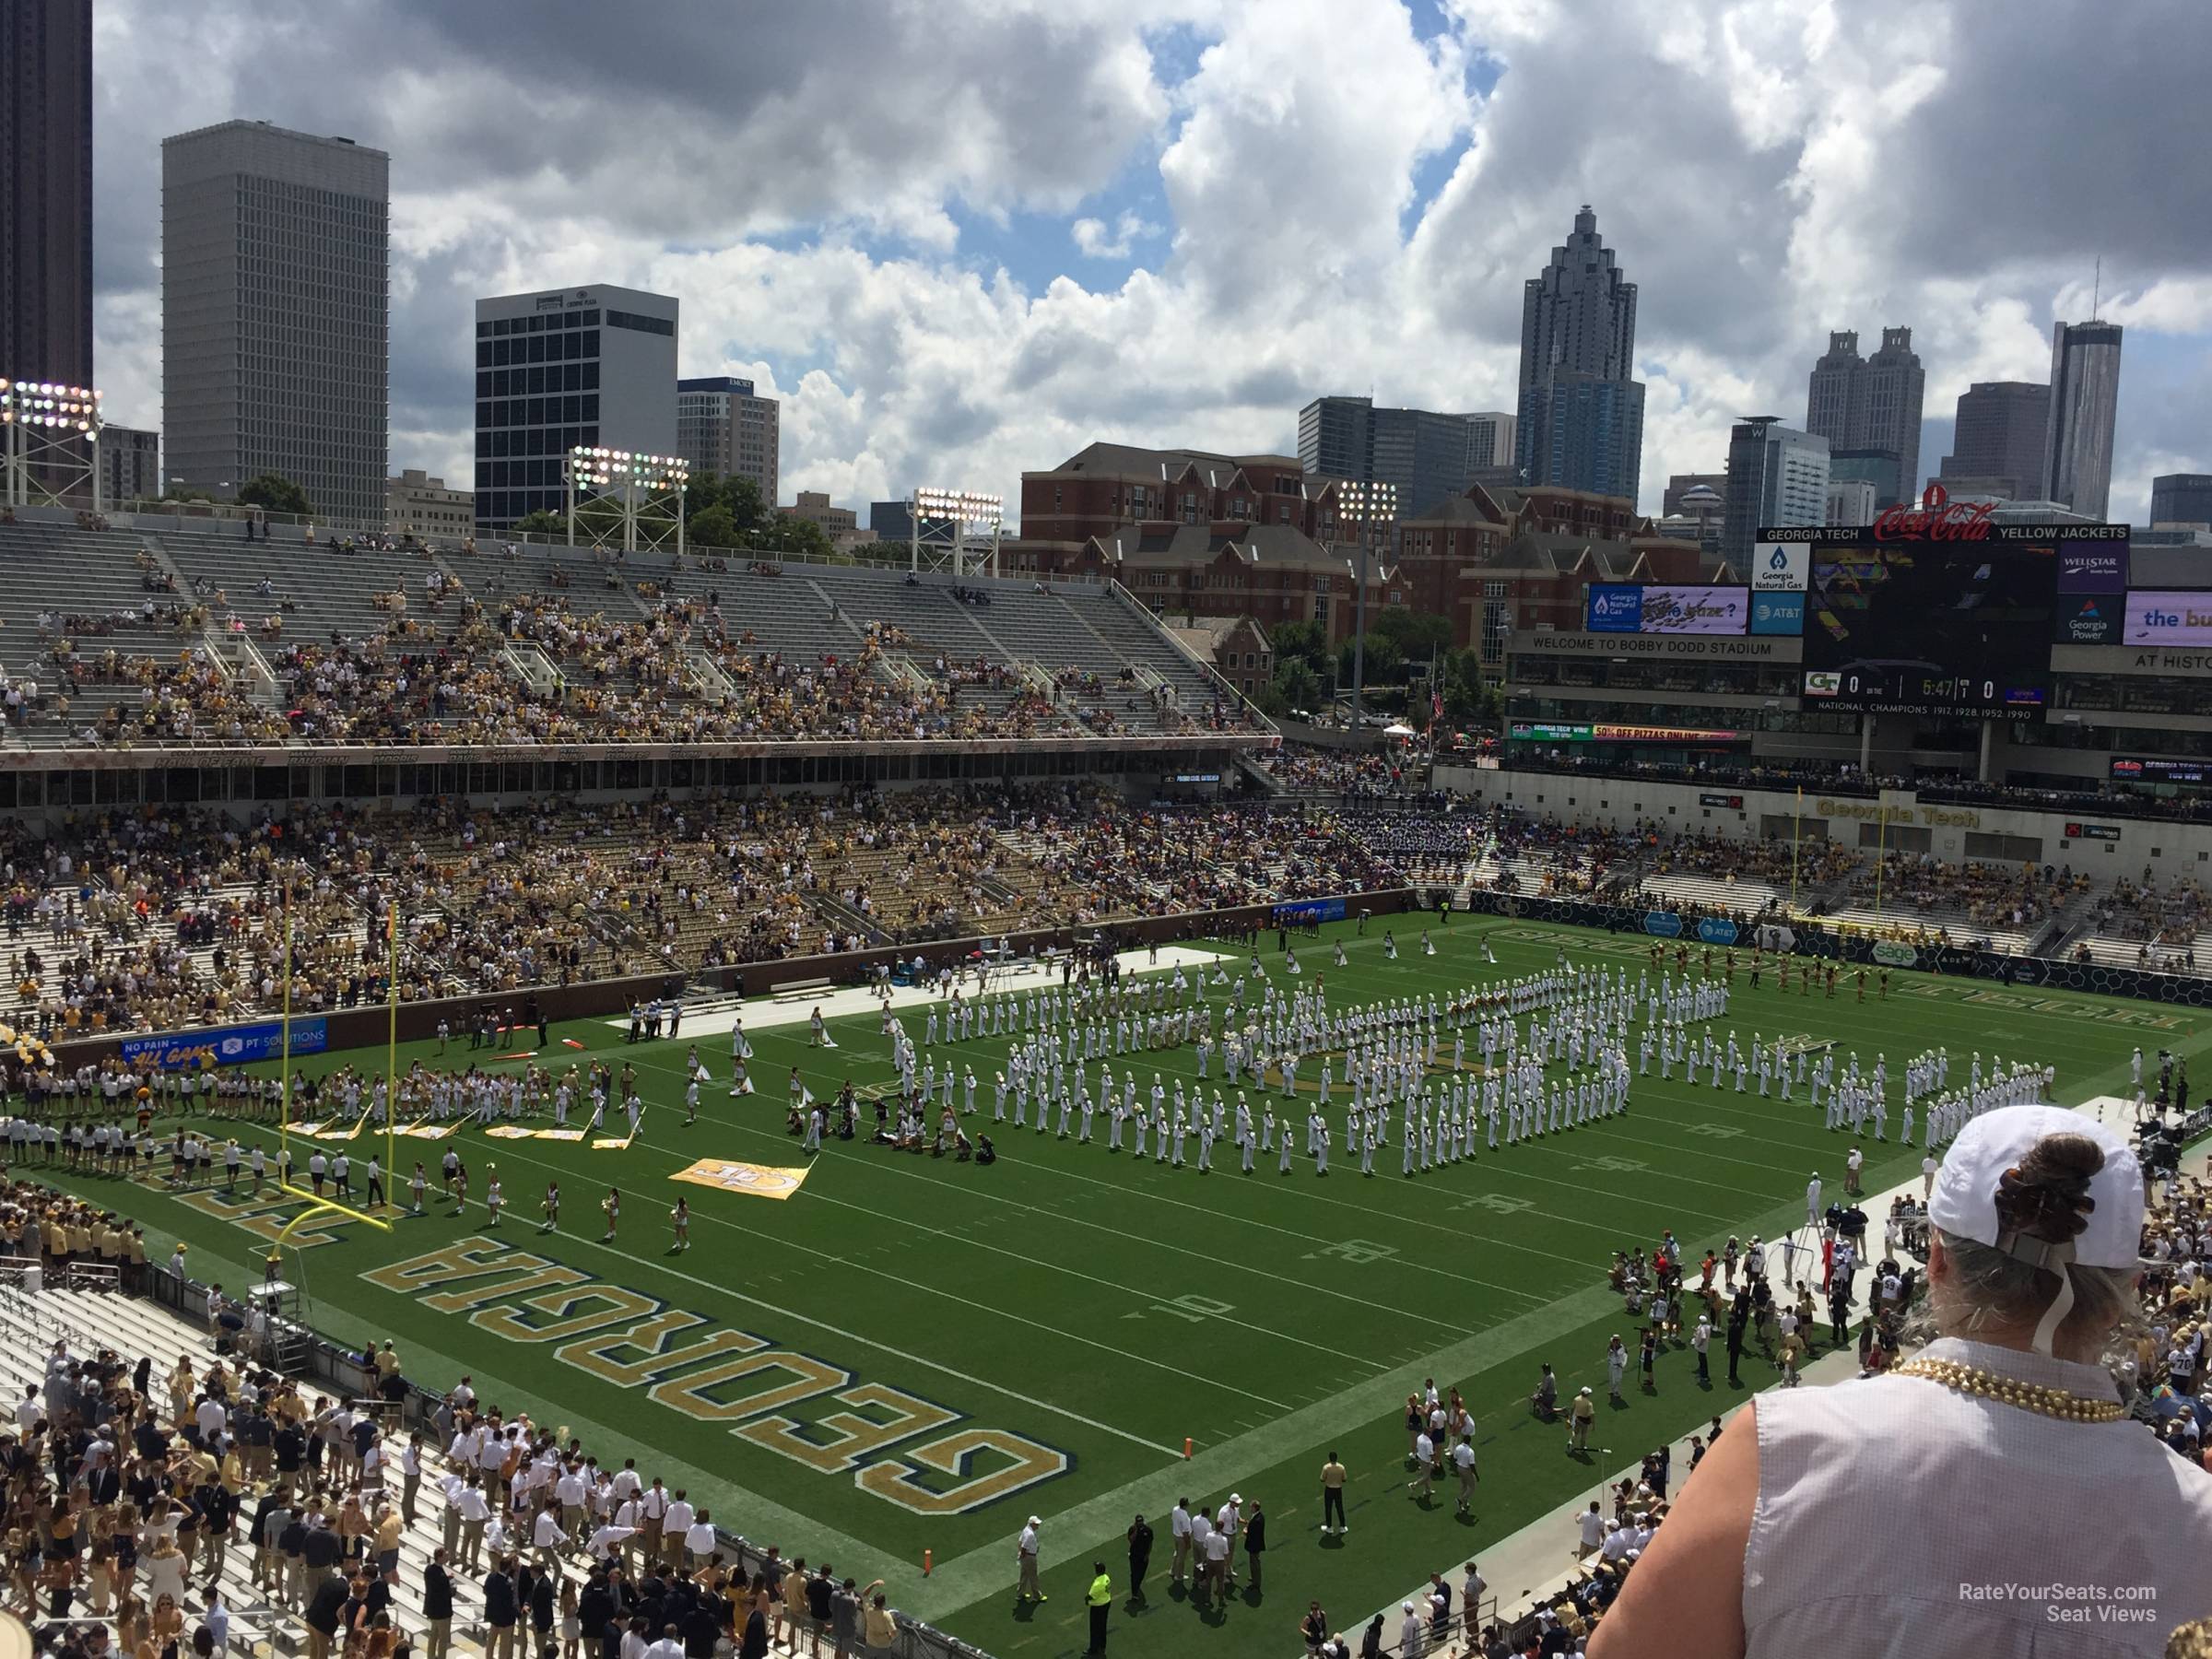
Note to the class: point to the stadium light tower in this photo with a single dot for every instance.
(955, 530)
(1366, 505)
(49, 442)
(636, 483)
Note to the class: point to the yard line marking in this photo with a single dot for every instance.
(1079, 1530)
(1282, 1278)
(1072, 1272)
(881, 1347)
(1700, 1152)
(1460, 1235)
(907, 1283)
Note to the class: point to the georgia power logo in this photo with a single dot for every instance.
(230, 1048)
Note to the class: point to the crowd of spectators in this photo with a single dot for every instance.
(1306, 770)
(1987, 894)
(152, 1509)
(1817, 861)
(2166, 915)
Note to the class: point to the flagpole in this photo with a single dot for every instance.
(392, 1053)
(284, 1045)
(1797, 830)
(1881, 852)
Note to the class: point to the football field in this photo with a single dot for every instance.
(912, 1354)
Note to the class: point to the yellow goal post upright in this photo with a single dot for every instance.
(317, 1204)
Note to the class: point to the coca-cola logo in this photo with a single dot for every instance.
(1936, 519)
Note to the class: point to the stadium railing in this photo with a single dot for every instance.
(1954, 793)
(334, 1367)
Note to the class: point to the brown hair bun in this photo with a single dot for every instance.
(2045, 1196)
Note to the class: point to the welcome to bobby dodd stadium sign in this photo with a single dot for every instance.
(1735, 648)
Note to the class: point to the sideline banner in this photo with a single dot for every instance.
(762, 1180)
(230, 1045)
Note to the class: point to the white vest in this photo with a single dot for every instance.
(1887, 1506)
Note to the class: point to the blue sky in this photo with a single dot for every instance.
(964, 238)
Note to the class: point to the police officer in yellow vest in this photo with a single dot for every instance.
(1099, 1596)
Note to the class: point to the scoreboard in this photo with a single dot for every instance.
(1902, 624)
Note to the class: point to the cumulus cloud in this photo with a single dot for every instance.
(1096, 242)
(895, 215)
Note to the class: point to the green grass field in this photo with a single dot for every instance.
(913, 1354)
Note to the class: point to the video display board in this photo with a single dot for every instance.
(1918, 615)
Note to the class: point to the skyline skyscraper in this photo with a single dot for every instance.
(1776, 475)
(724, 427)
(275, 314)
(1428, 455)
(46, 191)
(560, 367)
(1998, 438)
(2085, 404)
(1579, 420)
(1870, 403)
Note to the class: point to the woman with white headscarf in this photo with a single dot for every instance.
(1901, 1515)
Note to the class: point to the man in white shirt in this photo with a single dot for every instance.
(674, 1526)
(1217, 1564)
(474, 1512)
(410, 1476)
(699, 1542)
(1593, 1526)
(453, 1486)
(547, 1537)
(652, 1513)
(1179, 1530)
(568, 1487)
(1463, 1460)
(1025, 1552)
(605, 1541)
(1230, 1519)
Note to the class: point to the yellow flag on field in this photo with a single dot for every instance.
(761, 1180)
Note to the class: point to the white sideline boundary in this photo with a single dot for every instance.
(769, 1011)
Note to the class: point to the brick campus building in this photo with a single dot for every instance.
(1195, 534)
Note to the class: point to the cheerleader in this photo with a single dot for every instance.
(1390, 944)
(612, 1205)
(691, 1101)
(493, 1197)
(418, 1184)
(460, 1186)
(552, 1207)
(681, 1218)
